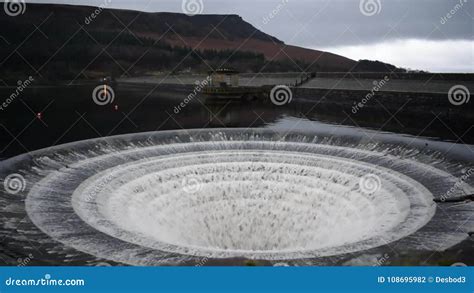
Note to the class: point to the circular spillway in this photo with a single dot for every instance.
(265, 203)
(254, 194)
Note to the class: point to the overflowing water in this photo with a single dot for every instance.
(168, 197)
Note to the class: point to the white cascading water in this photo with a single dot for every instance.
(157, 197)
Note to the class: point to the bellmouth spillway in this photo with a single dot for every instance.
(165, 198)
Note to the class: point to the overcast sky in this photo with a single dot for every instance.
(434, 35)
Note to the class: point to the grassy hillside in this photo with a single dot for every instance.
(76, 42)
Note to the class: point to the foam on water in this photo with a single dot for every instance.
(165, 197)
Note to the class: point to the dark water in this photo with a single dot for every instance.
(68, 113)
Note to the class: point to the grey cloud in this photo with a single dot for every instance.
(317, 23)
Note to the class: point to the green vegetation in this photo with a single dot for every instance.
(92, 54)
